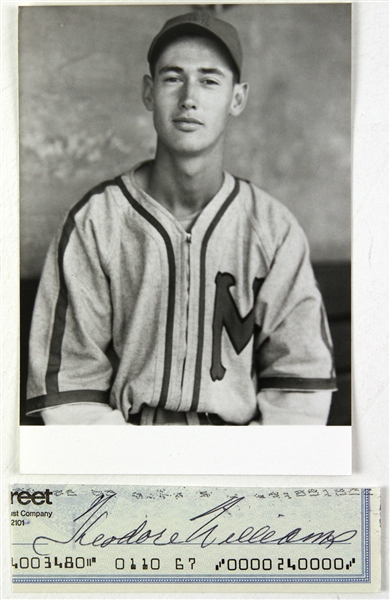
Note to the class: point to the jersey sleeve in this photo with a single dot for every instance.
(293, 347)
(71, 330)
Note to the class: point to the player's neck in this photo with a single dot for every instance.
(184, 185)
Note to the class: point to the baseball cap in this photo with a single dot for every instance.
(198, 22)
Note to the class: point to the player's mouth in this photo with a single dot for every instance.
(187, 123)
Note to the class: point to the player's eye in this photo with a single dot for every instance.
(171, 79)
(210, 82)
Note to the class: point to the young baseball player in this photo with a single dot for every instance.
(177, 293)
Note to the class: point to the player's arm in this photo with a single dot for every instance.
(294, 354)
(70, 373)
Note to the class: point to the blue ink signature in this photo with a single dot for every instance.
(205, 535)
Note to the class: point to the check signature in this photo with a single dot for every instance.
(207, 531)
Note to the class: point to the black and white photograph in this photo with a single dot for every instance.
(185, 214)
(194, 231)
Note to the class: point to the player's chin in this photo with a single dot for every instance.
(188, 143)
(190, 147)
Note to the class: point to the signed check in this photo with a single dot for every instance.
(135, 538)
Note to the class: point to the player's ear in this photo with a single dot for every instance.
(147, 92)
(239, 99)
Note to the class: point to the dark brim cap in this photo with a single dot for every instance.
(202, 23)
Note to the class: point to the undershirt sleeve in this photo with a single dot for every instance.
(82, 414)
(283, 407)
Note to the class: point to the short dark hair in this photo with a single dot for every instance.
(223, 50)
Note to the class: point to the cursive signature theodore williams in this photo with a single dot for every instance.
(207, 531)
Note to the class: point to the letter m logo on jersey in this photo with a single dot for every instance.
(226, 314)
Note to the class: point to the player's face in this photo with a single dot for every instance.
(192, 95)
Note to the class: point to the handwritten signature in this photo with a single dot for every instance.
(205, 535)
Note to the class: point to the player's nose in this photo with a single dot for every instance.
(188, 98)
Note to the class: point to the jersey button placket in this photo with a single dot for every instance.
(192, 243)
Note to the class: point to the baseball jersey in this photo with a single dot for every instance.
(133, 310)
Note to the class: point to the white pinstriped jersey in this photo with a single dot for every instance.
(132, 310)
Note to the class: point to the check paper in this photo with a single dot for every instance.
(136, 538)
